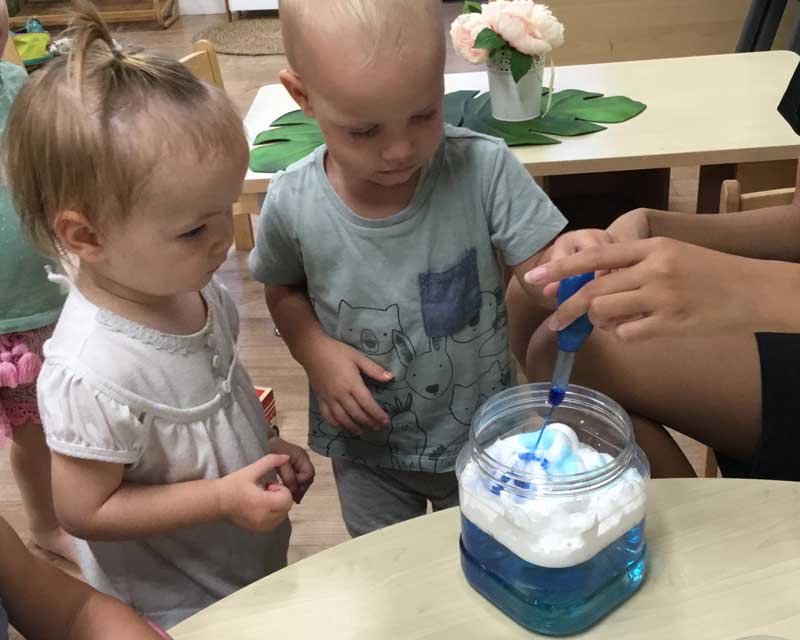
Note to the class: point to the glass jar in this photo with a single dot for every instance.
(552, 526)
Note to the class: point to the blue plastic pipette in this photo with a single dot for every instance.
(570, 339)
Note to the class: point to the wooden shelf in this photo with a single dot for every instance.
(56, 12)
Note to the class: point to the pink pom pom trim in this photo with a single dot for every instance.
(28, 368)
(8, 372)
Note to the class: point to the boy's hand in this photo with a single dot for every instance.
(570, 243)
(630, 226)
(246, 502)
(298, 473)
(334, 372)
(574, 241)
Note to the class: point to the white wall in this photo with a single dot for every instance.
(193, 7)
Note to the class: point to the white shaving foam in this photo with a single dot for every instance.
(551, 531)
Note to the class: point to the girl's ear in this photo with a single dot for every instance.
(77, 236)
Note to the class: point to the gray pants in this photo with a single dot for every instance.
(373, 498)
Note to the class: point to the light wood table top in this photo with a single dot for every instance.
(723, 563)
(701, 110)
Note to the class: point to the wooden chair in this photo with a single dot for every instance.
(203, 63)
(732, 200)
(10, 54)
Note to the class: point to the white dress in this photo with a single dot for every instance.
(171, 409)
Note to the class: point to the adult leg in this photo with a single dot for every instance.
(708, 389)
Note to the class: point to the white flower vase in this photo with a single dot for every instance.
(515, 101)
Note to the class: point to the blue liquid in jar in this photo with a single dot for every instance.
(552, 601)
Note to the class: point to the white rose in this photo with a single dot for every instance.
(463, 31)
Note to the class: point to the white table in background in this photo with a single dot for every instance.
(705, 110)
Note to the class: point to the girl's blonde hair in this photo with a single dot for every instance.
(87, 131)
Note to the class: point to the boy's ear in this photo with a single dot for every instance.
(297, 89)
(77, 236)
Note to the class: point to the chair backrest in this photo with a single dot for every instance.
(203, 63)
(10, 54)
(732, 199)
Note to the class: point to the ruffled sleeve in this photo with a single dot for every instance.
(82, 421)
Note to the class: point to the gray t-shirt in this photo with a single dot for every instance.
(419, 292)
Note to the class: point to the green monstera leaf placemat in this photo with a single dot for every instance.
(572, 113)
(293, 137)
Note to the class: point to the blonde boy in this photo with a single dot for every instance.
(379, 254)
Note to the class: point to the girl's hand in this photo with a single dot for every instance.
(245, 501)
(334, 372)
(297, 474)
(661, 287)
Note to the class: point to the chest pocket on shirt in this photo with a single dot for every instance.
(449, 299)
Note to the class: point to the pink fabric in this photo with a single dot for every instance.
(20, 363)
(159, 630)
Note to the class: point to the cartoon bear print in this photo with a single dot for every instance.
(482, 322)
(447, 451)
(369, 330)
(335, 436)
(497, 342)
(491, 380)
(465, 402)
(428, 374)
(506, 376)
(406, 436)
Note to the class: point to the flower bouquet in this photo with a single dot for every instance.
(513, 38)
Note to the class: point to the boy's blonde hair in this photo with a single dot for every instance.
(377, 24)
(87, 131)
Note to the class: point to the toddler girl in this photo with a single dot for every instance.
(128, 163)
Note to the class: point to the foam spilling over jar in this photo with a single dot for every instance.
(553, 535)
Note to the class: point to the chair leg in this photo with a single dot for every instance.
(711, 469)
(710, 183)
(243, 233)
(228, 10)
(242, 227)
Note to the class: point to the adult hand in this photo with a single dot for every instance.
(659, 287)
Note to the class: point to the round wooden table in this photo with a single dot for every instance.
(723, 562)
